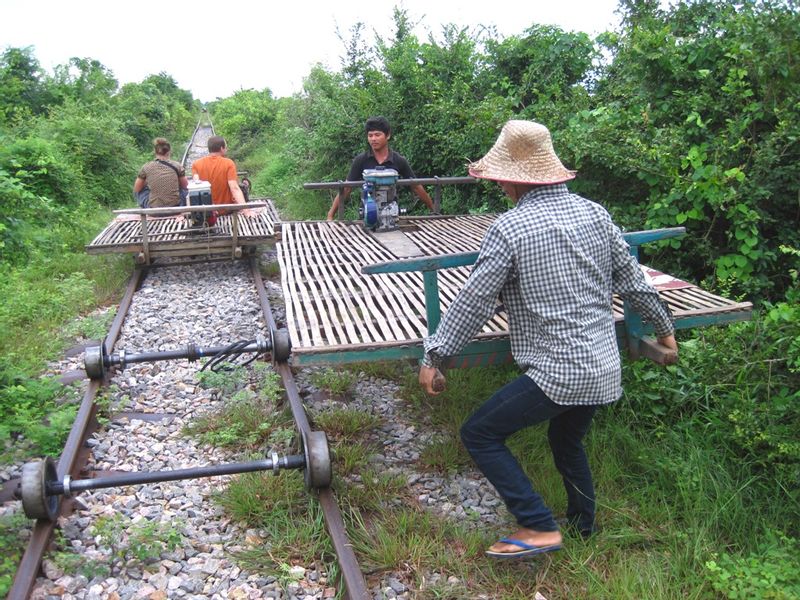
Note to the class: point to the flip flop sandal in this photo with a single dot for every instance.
(527, 549)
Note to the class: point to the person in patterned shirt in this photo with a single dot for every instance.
(163, 179)
(554, 260)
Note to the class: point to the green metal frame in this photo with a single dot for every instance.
(495, 350)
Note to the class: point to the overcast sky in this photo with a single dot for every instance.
(216, 48)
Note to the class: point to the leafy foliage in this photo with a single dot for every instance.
(13, 545)
(771, 573)
(22, 90)
(96, 147)
(750, 409)
(142, 542)
(156, 107)
(66, 152)
(243, 117)
(247, 417)
(693, 124)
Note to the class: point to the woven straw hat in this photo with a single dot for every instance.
(522, 154)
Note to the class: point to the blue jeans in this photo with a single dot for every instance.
(518, 405)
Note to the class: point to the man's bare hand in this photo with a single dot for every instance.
(669, 342)
(432, 380)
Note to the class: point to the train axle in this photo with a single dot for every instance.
(41, 488)
(97, 360)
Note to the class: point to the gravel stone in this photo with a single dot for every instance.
(212, 305)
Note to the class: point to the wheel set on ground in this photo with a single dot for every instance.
(97, 361)
(40, 487)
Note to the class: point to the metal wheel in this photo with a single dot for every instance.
(318, 460)
(93, 362)
(281, 345)
(35, 501)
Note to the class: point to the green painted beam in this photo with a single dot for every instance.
(478, 350)
(433, 308)
(464, 259)
(425, 264)
(487, 352)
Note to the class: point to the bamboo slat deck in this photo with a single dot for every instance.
(331, 307)
(173, 236)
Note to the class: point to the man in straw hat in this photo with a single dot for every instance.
(554, 259)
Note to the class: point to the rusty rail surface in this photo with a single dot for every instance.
(68, 463)
(352, 576)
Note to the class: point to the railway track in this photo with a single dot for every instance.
(211, 304)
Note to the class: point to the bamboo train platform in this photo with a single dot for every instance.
(152, 233)
(336, 313)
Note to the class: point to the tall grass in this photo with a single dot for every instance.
(682, 513)
(57, 283)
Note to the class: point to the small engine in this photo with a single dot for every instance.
(200, 195)
(379, 207)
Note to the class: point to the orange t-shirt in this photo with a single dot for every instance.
(218, 171)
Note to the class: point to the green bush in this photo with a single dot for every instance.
(750, 407)
(41, 167)
(55, 300)
(15, 230)
(37, 415)
(770, 573)
(95, 148)
(13, 544)
(244, 116)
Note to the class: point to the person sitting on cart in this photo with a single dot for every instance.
(246, 186)
(379, 154)
(161, 182)
(220, 172)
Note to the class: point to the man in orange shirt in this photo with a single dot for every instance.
(220, 172)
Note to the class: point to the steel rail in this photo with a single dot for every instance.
(68, 464)
(28, 568)
(355, 584)
(191, 142)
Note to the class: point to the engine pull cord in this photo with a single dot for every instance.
(218, 362)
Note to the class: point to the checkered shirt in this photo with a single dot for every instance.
(554, 261)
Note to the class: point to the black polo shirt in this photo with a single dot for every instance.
(366, 160)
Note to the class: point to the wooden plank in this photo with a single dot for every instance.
(397, 243)
(297, 231)
(291, 292)
(371, 292)
(324, 295)
(345, 309)
(390, 300)
(349, 276)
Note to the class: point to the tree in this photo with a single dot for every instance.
(156, 107)
(23, 91)
(693, 124)
(243, 116)
(84, 80)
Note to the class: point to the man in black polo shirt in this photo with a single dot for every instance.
(379, 155)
